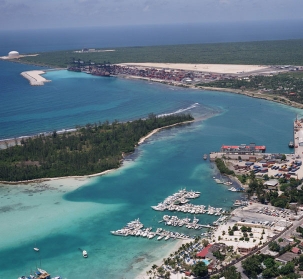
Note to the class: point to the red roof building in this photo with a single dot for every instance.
(296, 250)
(204, 252)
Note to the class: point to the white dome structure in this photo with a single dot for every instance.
(13, 54)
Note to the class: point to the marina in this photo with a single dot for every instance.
(172, 203)
(176, 222)
(136, 228)
(179, 202)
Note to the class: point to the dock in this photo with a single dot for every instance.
(180, 202)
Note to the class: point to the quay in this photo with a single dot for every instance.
(246, 158)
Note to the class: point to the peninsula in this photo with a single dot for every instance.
(92, 149)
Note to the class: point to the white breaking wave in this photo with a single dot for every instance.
(180, 110)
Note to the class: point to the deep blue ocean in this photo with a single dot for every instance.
(73, 214)
(29, 41)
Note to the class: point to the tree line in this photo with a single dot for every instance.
(91, 149)
(282, 52)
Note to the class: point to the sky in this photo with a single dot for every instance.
(40, 14)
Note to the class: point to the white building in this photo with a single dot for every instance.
(13, 54)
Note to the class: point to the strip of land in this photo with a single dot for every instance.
(210, 68)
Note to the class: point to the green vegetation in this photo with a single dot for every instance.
(269, 268)
(228, 273)
(288, 52)
(219, 256)
(92, 149)
(274, 246)
(200, 269)
(291, 194)
(287, 85)
(222, 167)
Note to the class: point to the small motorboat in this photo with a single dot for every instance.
(84, 253)
(36, 249)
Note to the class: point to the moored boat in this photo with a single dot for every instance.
(218, 181)
(39, 274)
(84, 253)
(237, 203)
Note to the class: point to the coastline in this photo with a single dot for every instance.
(159, 129)
(159, 262)
(252, 93)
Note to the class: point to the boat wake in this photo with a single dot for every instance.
(180, 110)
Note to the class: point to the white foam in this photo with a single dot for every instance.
(180, 110)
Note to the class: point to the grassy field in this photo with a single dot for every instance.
(287, 52)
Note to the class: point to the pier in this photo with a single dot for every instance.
(179, 202)
(175, 221)
(35, 78)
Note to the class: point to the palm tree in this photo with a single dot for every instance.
(154, 269)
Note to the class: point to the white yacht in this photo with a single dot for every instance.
(237, 203)
(84, 253)
(218, 181)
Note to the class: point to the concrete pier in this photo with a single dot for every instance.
(35, 77)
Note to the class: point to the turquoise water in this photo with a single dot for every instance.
(62, 219)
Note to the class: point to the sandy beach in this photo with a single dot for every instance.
(159, 262)
(159, 129)
(35, 77)
(210, 68)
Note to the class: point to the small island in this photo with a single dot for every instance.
(92, 149)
